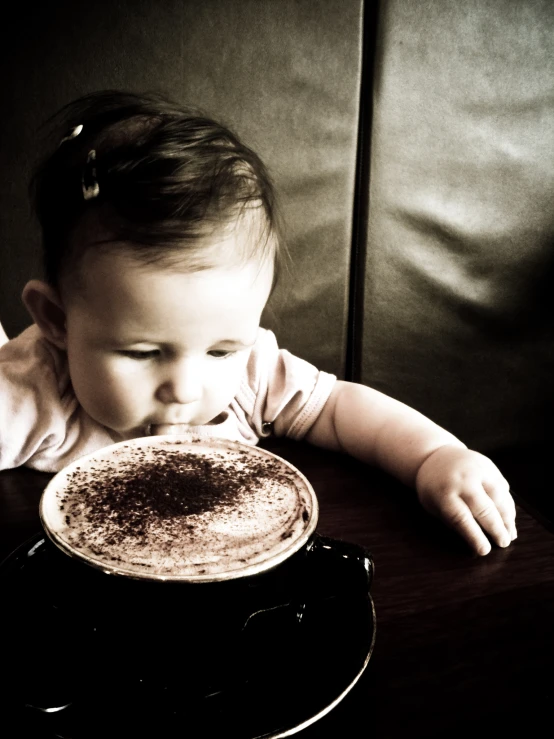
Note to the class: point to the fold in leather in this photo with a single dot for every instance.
(459, 264)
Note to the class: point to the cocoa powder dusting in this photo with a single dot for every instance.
(168, 488)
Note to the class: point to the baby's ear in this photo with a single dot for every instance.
(46, 308)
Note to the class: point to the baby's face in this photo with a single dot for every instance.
(149, 344)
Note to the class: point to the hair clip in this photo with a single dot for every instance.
(72, 134)
(89, 183)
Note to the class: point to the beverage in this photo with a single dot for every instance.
(170, 508)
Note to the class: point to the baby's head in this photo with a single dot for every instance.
(160, 247)
(147, 172)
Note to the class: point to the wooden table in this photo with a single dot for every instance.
(464, 645)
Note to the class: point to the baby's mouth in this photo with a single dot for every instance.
(169, 429)
(174, 429)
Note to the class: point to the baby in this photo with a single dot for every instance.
(161, 250)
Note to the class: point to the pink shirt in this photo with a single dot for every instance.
(43, 426)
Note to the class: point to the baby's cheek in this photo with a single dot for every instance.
(112, 401)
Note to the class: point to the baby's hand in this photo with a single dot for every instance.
(468, 491)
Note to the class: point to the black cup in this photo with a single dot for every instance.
(107, 636)
(103, 640)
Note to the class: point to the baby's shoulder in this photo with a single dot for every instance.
(3, 337)
(266, 341)
(30, 354)
(37, 403)
(264, 354)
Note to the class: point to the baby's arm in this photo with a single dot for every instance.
(463, 487)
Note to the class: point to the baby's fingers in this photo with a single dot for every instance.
(498, 526)
(500, 495)
(460, 517)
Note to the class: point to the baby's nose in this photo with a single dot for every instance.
(182, 384)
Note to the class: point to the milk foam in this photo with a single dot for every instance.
(115, 509)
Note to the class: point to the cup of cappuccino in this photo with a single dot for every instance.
(167, 550)
(167, 509)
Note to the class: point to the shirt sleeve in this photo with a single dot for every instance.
(41, 423)
(281, 393)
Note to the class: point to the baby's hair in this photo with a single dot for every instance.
(154, 174)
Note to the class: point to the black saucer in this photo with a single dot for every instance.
(297, 671)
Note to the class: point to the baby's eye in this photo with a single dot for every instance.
(137, 354)
(220, 354)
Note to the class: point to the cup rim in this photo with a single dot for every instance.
(245, 571)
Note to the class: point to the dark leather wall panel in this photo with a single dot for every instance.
(460, 254)
(284, 74)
